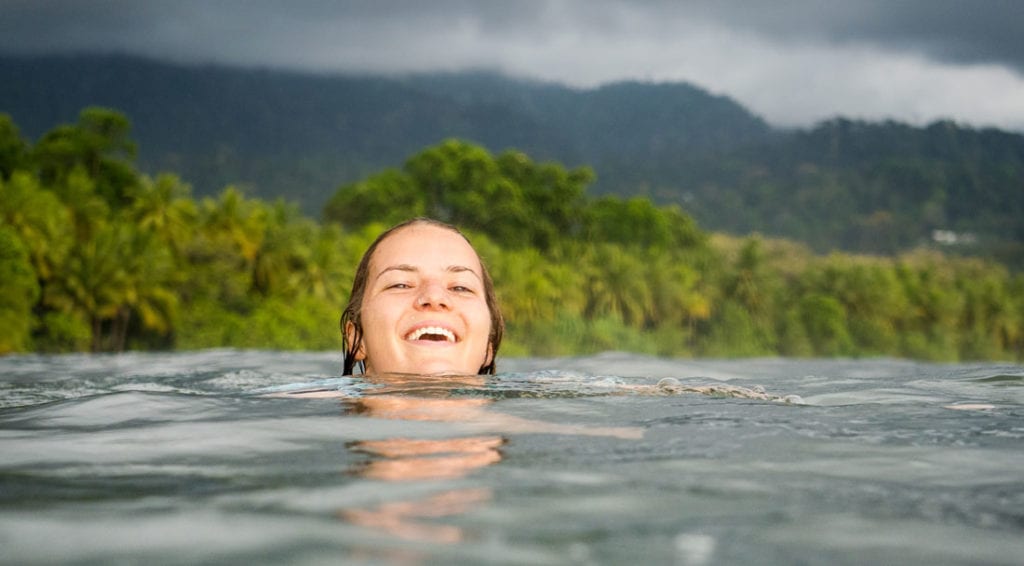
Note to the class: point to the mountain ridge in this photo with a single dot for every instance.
(863, 186)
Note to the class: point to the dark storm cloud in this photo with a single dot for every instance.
(947, 30)
(298, 34)
(792, 61)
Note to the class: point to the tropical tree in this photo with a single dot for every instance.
(989, 323)
(825, 320)
(237, 222)
(388, 197)
(732, 331)
(534, 288)
(870, 296)
(615, 283)
(40, 220)
(455, 177)
(94, 281)
(13, 149)
(108, 278)
(325, 274)
(163, 207)
(77, 190)
(99, 144)
(509, 198)
(637, 221)
(752, 287)
(20, 292)
(555, 196)
(928, 327)
(679, 292)
(284, 253)
(149, 287)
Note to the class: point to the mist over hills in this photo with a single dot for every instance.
(877, 187)
(186, 115)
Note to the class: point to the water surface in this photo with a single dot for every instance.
(211, 457)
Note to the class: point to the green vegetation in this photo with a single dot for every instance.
(96, 256)
(878, 188)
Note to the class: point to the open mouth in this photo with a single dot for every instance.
(432, 333)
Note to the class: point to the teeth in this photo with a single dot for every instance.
(420, 332)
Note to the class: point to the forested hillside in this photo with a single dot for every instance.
(96, 256)
(873, 187)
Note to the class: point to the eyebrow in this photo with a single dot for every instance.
(413, 269)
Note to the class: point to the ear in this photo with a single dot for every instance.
(350, 338)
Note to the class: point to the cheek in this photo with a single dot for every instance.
(482, 323)
(377, 319)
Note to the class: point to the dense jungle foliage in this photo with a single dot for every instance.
(96, 256)
(880, 188)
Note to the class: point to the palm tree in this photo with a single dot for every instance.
(21, 290)
(617, 285)
(40, 220)
(107, 278)
(284, 251)
(324, 273)
(93, 281)
(679, 296)
(534, 288)
(163, 206)
(240, 221)
(78, 193)
(147, 287)
(13, 148)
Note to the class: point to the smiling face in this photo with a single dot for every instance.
(424, 309)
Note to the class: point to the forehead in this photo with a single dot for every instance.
(424, 245)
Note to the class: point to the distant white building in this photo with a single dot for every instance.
(951, 238)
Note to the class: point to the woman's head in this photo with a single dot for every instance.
(422, 302)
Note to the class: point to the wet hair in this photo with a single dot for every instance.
(353, 310)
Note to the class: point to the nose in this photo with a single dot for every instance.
(432, 296)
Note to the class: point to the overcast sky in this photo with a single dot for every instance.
(794, 62)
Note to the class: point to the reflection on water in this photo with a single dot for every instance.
(405, 459)
(401, 459)
(408, 519)
(417, 459)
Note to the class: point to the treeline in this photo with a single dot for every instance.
(95, 256)
(880, 188)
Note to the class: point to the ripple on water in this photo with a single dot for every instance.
(125, 457)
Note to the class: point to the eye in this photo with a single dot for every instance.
(399, 286)
(461, 289)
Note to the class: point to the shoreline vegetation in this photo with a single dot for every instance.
(95, 256)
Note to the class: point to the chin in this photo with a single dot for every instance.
(425, 365)
(444, 371)
(442, 368)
